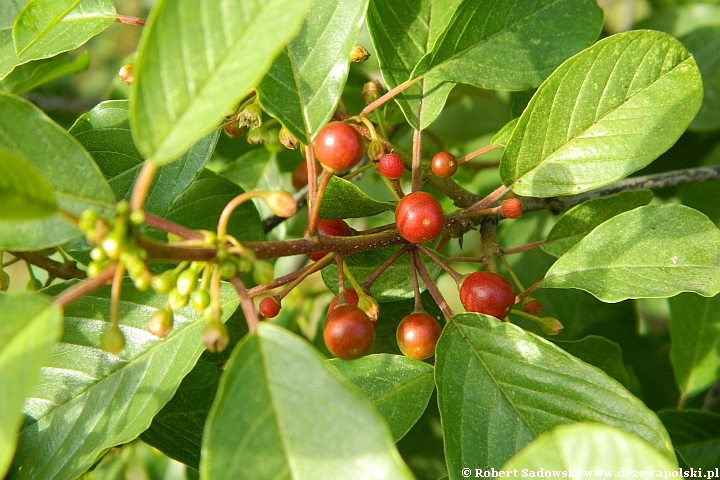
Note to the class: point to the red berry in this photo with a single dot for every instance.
(300, 176)
(419, 217)
(269, 307)
(444, 164)
(511, 208)
(417, 335)
(488, 293)
(338, 146)
(332, 228)
(348, 332)
(391, 166)
(351, 297)
(532, 306)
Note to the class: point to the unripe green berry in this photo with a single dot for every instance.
(94, 269)
(228, 269)
(212, 315)
(215, 337)
(177, 300)
(187, 282)
(122, 207)
(160, 323)
(137, 218)
(163, 282)
(87, 220)
(200, 300)
(33, 285)
(142, 282)
(112, 246)
(258, 135)
(263, 273)
(113, 340)
(98, 254)
(244, 265)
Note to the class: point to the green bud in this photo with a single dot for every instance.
(258, 135)
(177, 300)
(244, 265)
(98, 254)
(375, 150)
(94, 269)
(200, 300)
(143, 281)
(163, 282)
(187, 282)
(228, 269)
(87, 221)
(112, 245)
(113, 340)
(137, 218)
(250, 116)
(263, 273)
(160, 323)
(215, 337)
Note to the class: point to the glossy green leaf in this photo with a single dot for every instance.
(291, 415)
(503, 136)
(74, 177)
(582, 219)
(33, 74)
(602, 115)
(704, 44)
(649, 252)
(30, 327)
(695, 333)
(105, 132)
(394, 284)
(398, 386)
(598, 352)
(200, 205)
(24, 193)
(85, 21)
(499, 387)
(695, 434)
(177, 429)
(597, 450)
(304, 84)
(37, 19)
(343, 199)
(196, 60)
(402, 33)
(88, 400)
(509, 45)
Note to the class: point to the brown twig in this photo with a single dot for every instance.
(246, 304)
(138, 22)
(54, 268)
(84, 287)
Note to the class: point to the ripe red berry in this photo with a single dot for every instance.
(351, 297)
(269, 307)
(488, 293)
(532, 306)
(444, 164)
(511, 208)
(300, 175)
(391, 166)
(419, 217)
(348, 332)
(338, 146)
(333, 228)
(417, 335)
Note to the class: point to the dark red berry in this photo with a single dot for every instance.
(511, 208)
(269, 307)
(419, 217)
(532, 306)
(444, 164)
(417, 335)
(351, 297)
(488, 293)
(391, 166)
(348, 332)
(332, 228)
(300, 175)
(338, 146)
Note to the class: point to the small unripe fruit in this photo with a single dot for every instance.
(281, 203)
(338, 147)
(371, 91)
(444, 164)
(126, 74)
(351, 298)
(488, 293)
(234, 130)
(532, 306)
(419, 217)
(113, 340)
(187, 282)
(375, 150)
(160, 323)
(359, 54)
(215, 337)
(289, 141)
(177, 300)
(200, 300)
(163, 282)
(98, 254)
(112, 246)
(511, 208)
(332, 228)
(391, 166)
(228, 269)
(258, 135)
(269, 307)
(417, 335)
(348, 332)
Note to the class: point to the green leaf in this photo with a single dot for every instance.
(88, 400)
(499, 387)
(36, 19)
(503, 136)
(695, 349)
(251, 169)
(598, 450)
(650, 252)
(293, 416)
(695, 434)
(704, 44)
(598, 352)
(402, 34)
(177, 429)
(399, 387)
(602, 115)
(681, 19)
(30, 326)
(343, 199)
(33, 74)
(200, 205)
(73, 176)
(24, 193)
(509, 45)
(580, 220)
(394, 284)
(304, 84)
(85, 21)
(105, 132)
(196, 60)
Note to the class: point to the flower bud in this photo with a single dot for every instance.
(200, 300)
(550, 325)
(163, 282)
(187, 282)
(258, 135)
(368, 305)
(287, 139)
(113, 340)
(250, 116)
(375, 150)
(359, 54)
(372, 91)
(177, 300)
(215, 336)
(126, 74)
(160, 323)
(281, 203)
(234, 130)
